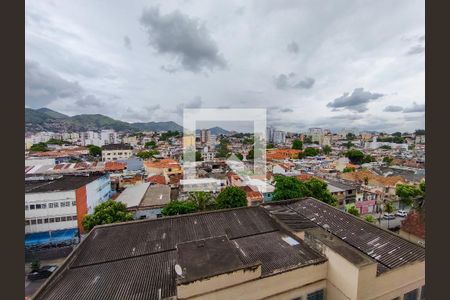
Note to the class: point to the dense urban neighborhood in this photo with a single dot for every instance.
(361, 187)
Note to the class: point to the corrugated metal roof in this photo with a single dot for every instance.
(388, 249)
(136, 260)
(133, 195)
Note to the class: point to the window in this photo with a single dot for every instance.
(45, 220)
(43, 206)
(63, 204)
(74, 203)
(27, 222)
(39, 221)
(317, 295)
(57, 219)
(51, 220)
(411, 295)
(38, 206)
(50, 205)
(33, 222)
(32, 206)
(67, 203)
(63, 219)
(56, 204)
(26, 207)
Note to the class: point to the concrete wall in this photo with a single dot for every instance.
(292, 284)
(97, 192)
(391, 284)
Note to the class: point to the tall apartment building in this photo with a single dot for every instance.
(279, 137)
(205, 136)
(99, 139)
(270, 134)
(53, 204)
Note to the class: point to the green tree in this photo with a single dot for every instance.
(355, 156)
(297, 144)
(319, 189)
(147, 154)
(231, 197)
(348, 170)
(350, 136)
(309, 152)
(270, 146)
(422, 186)
(368, 159)
(39, 147)
(307, 139)
(388, 160)
(388, 207)
(353, 211)
(107, 213)
(223, 151)
(198, 156)
(174, 208)
(326, 149)
(419, 132)
(287, 187)
(386, 147)
(202, 200)
(398, 134)
(94, 150)
(150, 145)
(407, 193)
(57, 142)
(369, 218)
(348, 145)
(251, 153)
(238, 155)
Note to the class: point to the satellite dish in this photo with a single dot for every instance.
(178, 270)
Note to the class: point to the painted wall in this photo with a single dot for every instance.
(60, 211)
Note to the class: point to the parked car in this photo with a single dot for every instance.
(401, 213)
(42, 273)
(388, 216)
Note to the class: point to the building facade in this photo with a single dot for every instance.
(113, 152)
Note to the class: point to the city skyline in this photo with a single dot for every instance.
(354, 70)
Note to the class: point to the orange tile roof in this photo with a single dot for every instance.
(162, 164)
(414, 224)
(373, 178)
(115, 166)
(304, 177)
(157, 179)
(280, 154)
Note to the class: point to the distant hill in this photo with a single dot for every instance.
(44, 119)
(216, 131)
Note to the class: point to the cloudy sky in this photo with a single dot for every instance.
(321, 63)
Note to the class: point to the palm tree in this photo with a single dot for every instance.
(389, 208)
(202, 199)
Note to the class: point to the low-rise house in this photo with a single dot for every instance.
(163, 167)
(413, 228)
(345, 192)
(145, 200)
(202, 184)
(113, 152)
(282, 154)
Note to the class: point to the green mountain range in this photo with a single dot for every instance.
(45, 119)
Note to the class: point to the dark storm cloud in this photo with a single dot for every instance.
(184, 38)
(127, 42)
(393, 108)
(284, 82)
(356, 101)
(293, 47)
(43, 86)
(414, 108)
(194, 103)
(416, 50)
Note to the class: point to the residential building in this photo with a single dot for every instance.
(165, 167)
(279, 137)
(145, 200)
(116, 152)
(61, 202)
(413, 228)
(345, 192)
(270, 132)
(249, 254)
(282, 154)
(364, 261)
(420, 139)
(202, 184)
(205, 136)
